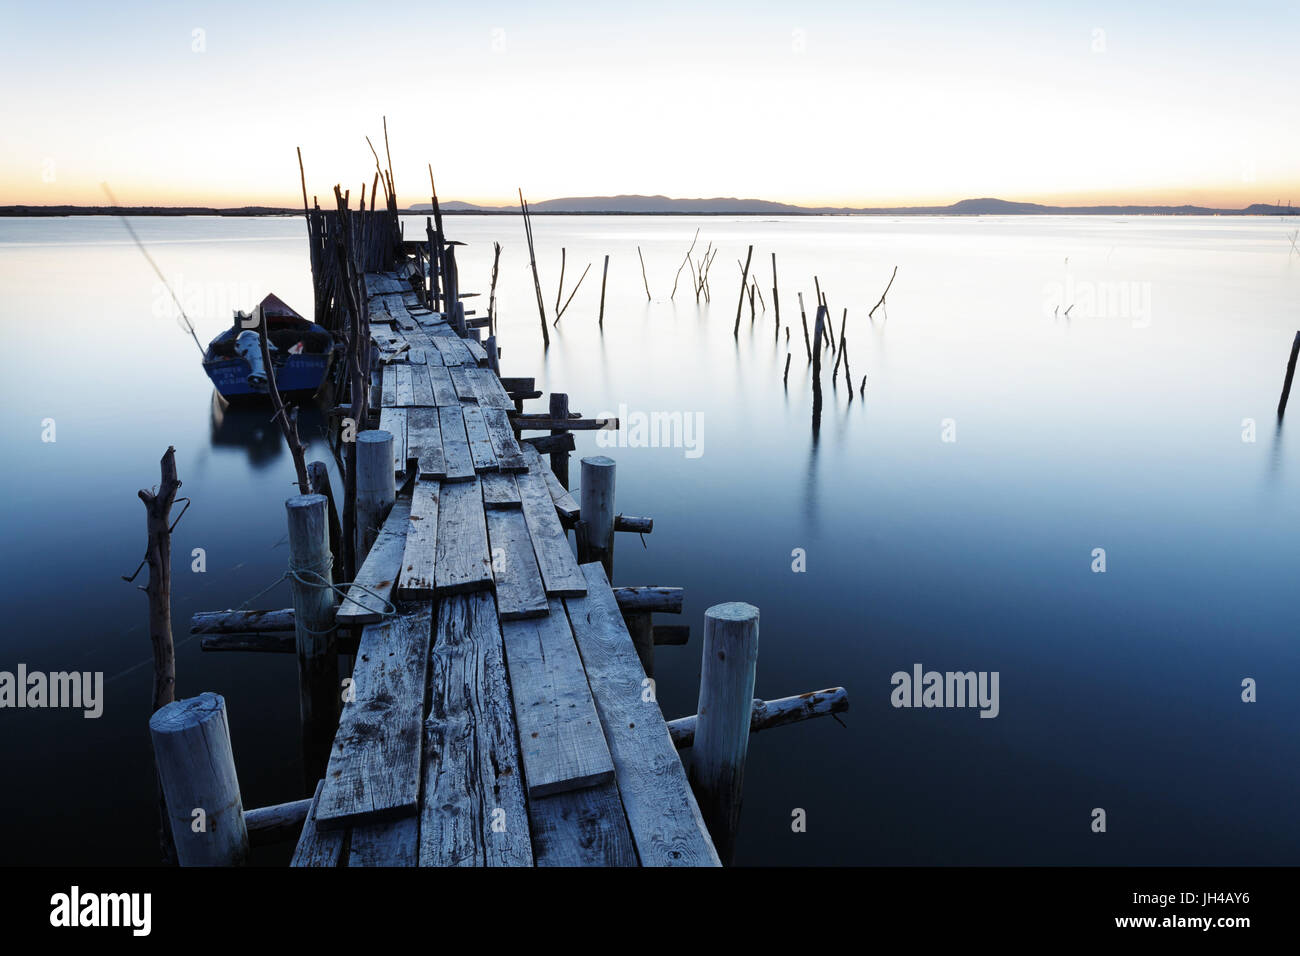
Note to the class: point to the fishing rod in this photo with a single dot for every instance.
(186, 324)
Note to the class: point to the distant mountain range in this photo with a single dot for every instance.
(663, 205)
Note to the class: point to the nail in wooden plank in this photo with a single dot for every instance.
(661, 810)
(520, 592)
(463, 562)
(419, 555)
(472, 775)
(560, 737)
(374, 767)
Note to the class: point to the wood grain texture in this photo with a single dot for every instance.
(404, 386)
(565, 504)
(393, 421)
(519, 587)
(374, 767)
(421, 387)
(662, 814)
(455, 445)
(499, 491)
(389, 387)
(489, 390)
(464, 384)
(480, 445)
(560, 736)
(318, 847)
(419, 554)
(554, 557)
(581, 828)
(463, 561)
(444, 392)
(388, 843)
(510, 457)
(424, 442)
(474, 812)
(379, 571)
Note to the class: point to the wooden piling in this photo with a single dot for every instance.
(818, 332)
(318, 477)
(640, 626)
(559, 410)
(532, 261)
(376, 487)
(730, 661)
(313, 609)
(596, 506)
(643, 278)
(1290, 373)
(744, 281)
(603, 276)
(191, 745)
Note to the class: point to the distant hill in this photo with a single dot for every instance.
(663, 205)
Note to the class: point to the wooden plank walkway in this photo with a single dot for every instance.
(500, 717)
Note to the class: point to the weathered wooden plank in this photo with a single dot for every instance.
(662, 814)
(520, 592)
(393, 421)
(489, 390)
(559, 568)
(390, 843)
(374, 767)
(464, 384)
(404, 387)
(480, 445)
(379, 571)
(455, 444)
(463, 562)
(389, 387)
(317, 847)
(499, 490)
(560, 737)
(453, 350)
(421, 387)
(476, 350)
(510, 457)
(415, 356)
(424, 442)
(581, 828)
(416, 578)
(473, 813)
(444, 392)
(565, 503)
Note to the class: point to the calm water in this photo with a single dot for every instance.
(1119, 427)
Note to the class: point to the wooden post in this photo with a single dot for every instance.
(776, 297)
(596, 505)
(1290, 373)
(313, 616)
(722, 729)
(560, 459)
(532, 261)
(494, 360)
(319, 477)
(158, 590)
(818, 331)
(603, 276)
(744, 280)
(376, 487)
(640, 626)
(191, 745)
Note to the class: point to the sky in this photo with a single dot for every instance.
(812, 103)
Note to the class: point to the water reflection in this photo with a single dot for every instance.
(252, 428)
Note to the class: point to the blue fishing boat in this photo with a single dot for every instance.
(301, 354)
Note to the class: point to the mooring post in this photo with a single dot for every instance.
(313, 617)
(376, 487)
(319, 477)
(722, 730)
(560, 459)
(1290, 373)
(596, 505)
(191, 745)
(641, 627)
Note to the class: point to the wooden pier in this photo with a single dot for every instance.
(498, 710)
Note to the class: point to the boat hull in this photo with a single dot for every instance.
(300, 375)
